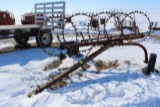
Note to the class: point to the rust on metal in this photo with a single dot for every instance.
(103, 39)
(6, 18)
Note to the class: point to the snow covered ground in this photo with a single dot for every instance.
(125, 86)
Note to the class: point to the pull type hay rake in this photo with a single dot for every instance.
(102, 37)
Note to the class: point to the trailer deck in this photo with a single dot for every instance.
(12, 27)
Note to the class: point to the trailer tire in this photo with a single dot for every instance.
(151, 64)
(21, 38)
(44, 39)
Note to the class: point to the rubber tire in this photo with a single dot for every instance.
(40, 40)
(21, 39)
(151, 63)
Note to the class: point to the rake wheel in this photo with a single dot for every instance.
(44, 38)
(75, 29)
(111, 27)
(102, 18)
(139, 25)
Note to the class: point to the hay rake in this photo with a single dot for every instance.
(102, 37)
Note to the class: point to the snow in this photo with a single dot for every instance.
(22, 70)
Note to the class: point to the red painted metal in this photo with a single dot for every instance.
(29, 18)
(6, 18)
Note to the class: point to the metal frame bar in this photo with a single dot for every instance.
(48, 10)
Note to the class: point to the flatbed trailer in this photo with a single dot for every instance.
(43, 11)
(11, 27)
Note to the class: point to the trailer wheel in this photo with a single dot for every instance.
(151, 64)
(44, 39)
(21, 38)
